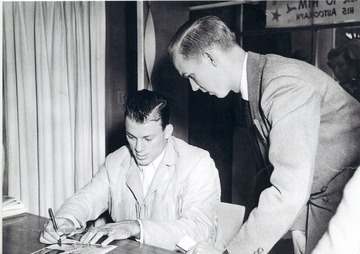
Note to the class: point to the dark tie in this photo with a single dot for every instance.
(252, 131)
(262, 177)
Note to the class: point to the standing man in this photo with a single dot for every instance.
(305, 126)
(157, 189)
(345, 69)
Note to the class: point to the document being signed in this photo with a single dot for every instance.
(75, 247)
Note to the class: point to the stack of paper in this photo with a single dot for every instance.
(75, 247)
(12, 207)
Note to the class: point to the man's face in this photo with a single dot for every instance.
(146, 140)
(203, 75)
(340, 68)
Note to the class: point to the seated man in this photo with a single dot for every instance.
(157, 189)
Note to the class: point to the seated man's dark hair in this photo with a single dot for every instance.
(146, 106)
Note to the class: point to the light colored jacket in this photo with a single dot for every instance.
(309, 129)
(182, 199)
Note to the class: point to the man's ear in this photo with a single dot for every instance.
(168, 131)
(210, 58)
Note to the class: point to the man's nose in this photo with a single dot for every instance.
(139, 145)
(194, 86)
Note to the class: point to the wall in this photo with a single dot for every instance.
(168, 17)
(121, 65)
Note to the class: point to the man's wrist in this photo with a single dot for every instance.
(72, 220)
(68, 226)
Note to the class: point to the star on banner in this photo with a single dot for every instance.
(276, 15)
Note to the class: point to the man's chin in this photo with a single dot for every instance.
(142, 162)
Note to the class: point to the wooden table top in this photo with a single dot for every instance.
(21, 235)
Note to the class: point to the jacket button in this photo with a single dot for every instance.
(323, 189)
(259, 251)
(325, 199)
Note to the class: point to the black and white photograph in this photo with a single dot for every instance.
(198, 127)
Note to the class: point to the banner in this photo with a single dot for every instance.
(311, 12)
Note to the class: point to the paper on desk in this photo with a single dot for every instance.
(75, 247)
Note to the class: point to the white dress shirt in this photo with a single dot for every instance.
(244, 81)
(147, 172)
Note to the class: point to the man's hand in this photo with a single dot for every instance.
(50, 236)
(204, 248)
(113, 231)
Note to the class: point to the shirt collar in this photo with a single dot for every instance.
(157, 161)
(244, 81)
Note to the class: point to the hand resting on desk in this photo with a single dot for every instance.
(50, 236)
(113, 231)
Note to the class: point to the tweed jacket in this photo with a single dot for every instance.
(308, 129)
(182, 198)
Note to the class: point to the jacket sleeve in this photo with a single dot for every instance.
(344, 228)
(199, 208)
(89, 202)
(293, 109)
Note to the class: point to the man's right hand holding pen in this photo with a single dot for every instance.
(64, 227)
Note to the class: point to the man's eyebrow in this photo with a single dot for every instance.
(147, 136)
(129, 134)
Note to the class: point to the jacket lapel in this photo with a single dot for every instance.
(255, 65)
(133, 181)
(255, 68)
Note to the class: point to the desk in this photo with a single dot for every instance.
(21, 236)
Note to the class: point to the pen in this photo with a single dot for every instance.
(52, 217)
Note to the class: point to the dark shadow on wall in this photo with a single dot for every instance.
(121, 64)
